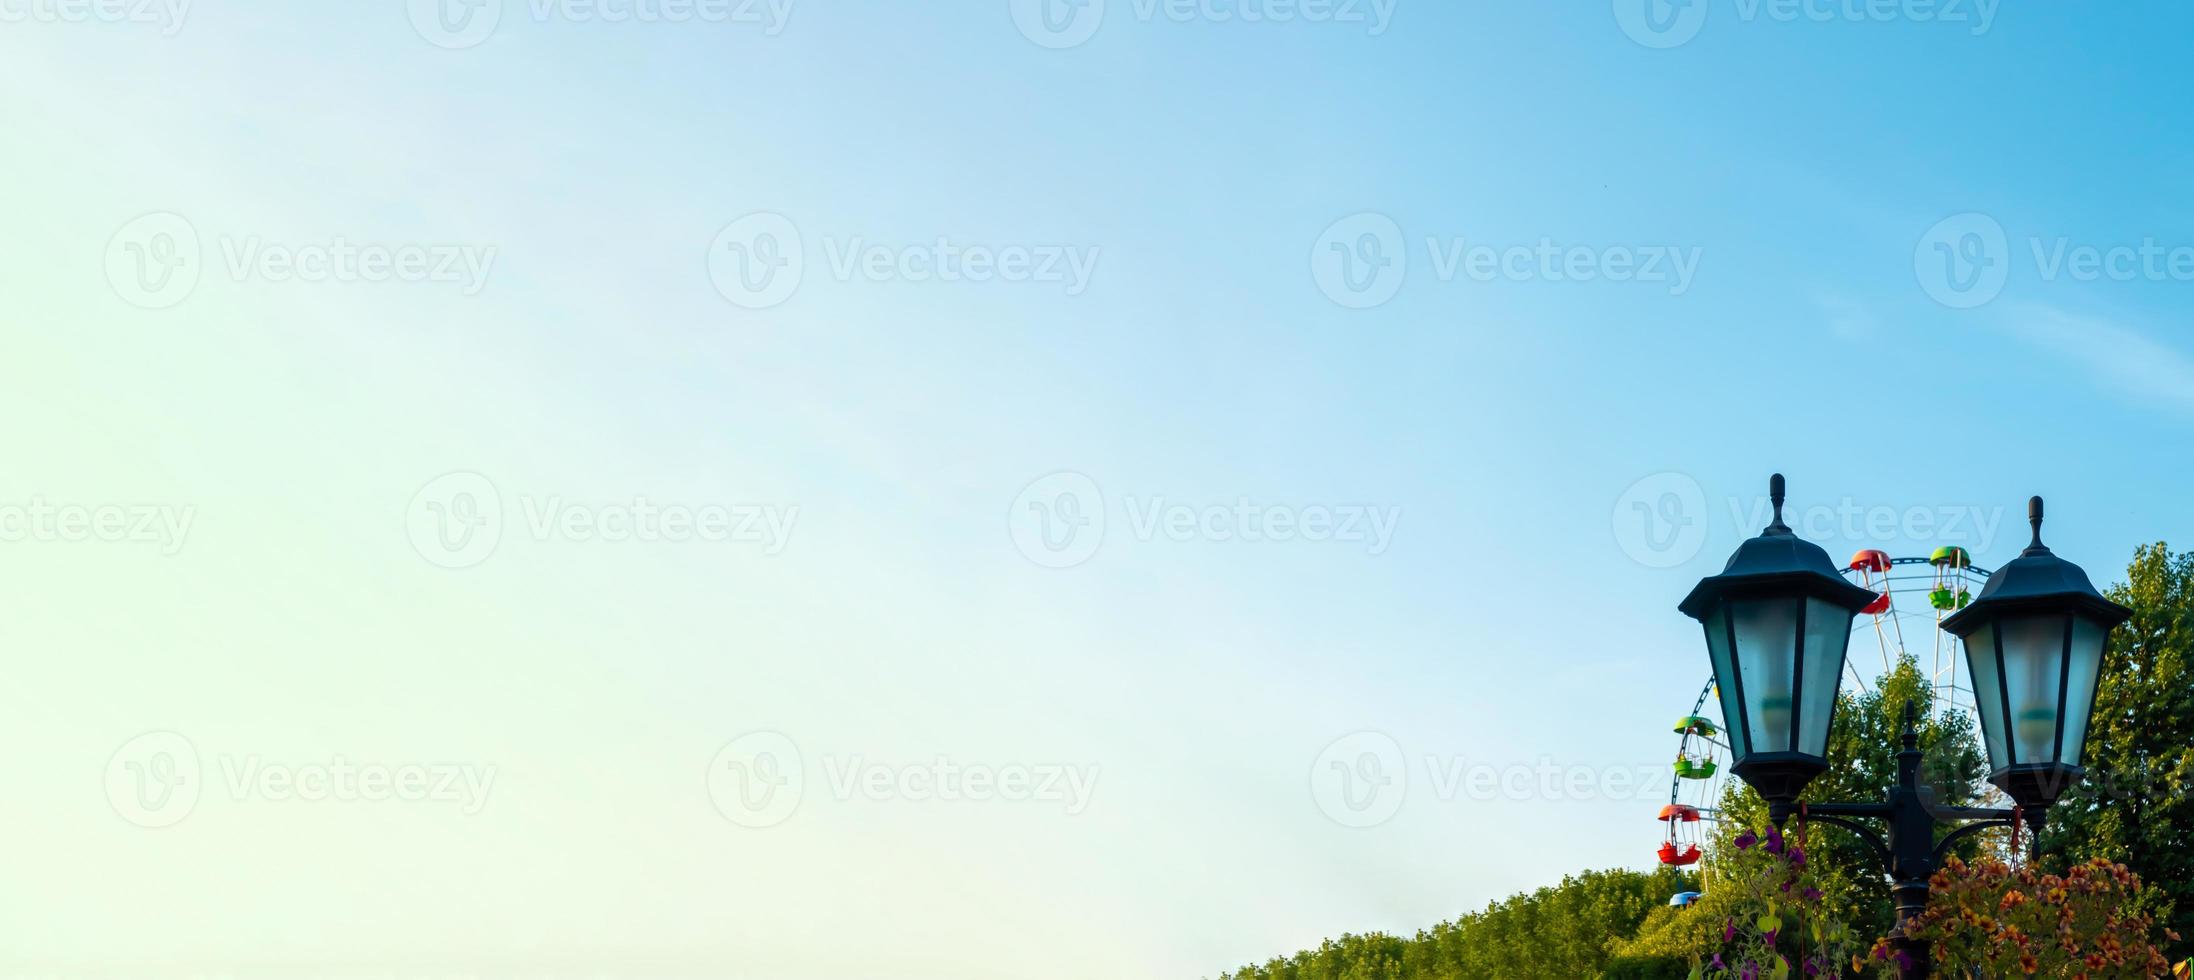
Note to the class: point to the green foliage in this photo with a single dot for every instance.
(1373, 957)
(1863, 741)
(1785, 916)
(1559, 931)
(2135, 807)
(1668, 941)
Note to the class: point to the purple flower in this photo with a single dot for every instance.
(1812, 894)
(1729, 930)
(1774, 841)
(1745, 840)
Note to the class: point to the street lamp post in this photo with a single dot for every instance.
(1777, 622)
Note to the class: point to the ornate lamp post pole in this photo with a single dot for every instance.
(1777, 622)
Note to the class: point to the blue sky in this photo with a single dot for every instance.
(1306, 513)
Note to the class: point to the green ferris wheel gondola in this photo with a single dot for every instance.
(1690, 768)
(1950, 592)
(1696, 725)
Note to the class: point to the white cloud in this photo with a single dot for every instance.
(1847, 318)
(2118, 357)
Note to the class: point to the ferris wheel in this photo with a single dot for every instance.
(1915, 590)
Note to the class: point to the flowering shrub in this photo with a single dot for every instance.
(1780, 920)
(2005, 923)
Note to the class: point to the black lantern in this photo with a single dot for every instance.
(1777, 622)
(2034, 643)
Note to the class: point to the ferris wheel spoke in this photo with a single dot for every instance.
(1856, 679)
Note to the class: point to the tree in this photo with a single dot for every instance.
(1562, 930)
(2134, 807)
(1668, 941)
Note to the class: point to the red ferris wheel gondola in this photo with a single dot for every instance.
(1682, 846)
(1681, 857)
(1870, 563)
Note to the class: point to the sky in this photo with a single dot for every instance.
(812, 489)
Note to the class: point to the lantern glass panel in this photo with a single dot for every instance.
(1827, 634)
(2087, 662)
(2033, 665)
(1725, 688)
(1767, 654)
(1980, 657)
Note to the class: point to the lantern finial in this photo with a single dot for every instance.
(1775, 496)
(2034, 518)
